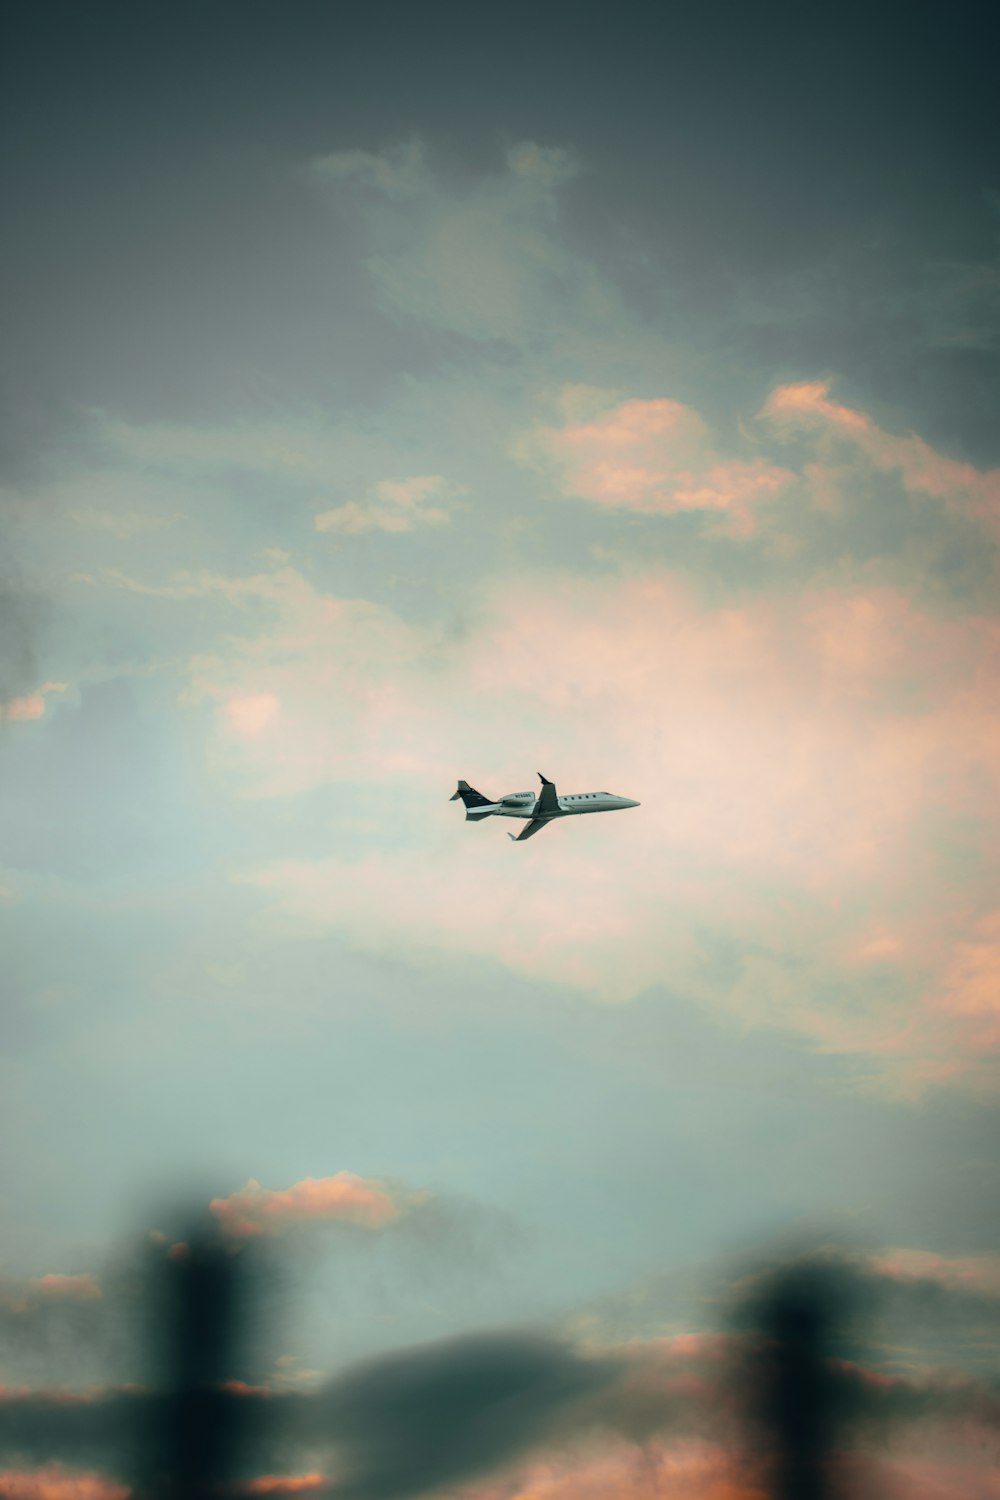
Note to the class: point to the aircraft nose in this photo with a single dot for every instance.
(629, 803)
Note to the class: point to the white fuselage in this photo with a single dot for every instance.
(525, 804)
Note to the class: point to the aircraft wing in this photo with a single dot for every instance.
(532, 828)
(548, 802)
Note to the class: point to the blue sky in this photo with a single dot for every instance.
(418, 405)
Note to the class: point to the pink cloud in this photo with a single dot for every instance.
(968, 1273)
(921, 468)
(284, 1484)
(656, 457)
(971, 986)
(682, 1470)
(794, 758)
(344, 1198)
(970, 1476)
(13, 1394)
(250, 714)
(707, 1471)
(811, 399)
(56, 1483)
(23, 710)
(242, 1388)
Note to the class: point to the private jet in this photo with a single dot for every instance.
(540, 810)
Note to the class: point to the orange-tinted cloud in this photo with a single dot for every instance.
(968, 1476)
(80, 1288)
(24, 1296)
(342, 1199)
(56, 1483)
(798, 761)
(655, 457)
(249, 714)
(32, 706)
(971, 985)
(611, 1471)
(961, 1273)
(284, 1484)
(921, 468)
(658, 457)
(818, 773)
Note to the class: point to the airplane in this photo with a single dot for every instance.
(540, 810)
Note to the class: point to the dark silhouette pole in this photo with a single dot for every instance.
(187, 1449)
(797, 1396)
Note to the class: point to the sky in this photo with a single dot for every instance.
(411, 393)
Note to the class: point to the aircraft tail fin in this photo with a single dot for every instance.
(476, 805)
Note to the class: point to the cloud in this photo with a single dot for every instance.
(400, 1425)
(399, 172)
(548, 164)
(537, 1414)
(921, 468)
(395, 506)
(654, 457)
(342, 1199)
(85, 1430)
(48, 1319)
(913, 1334)
(684, 1470)
(249, 714)
(283, 1484)
(706, 1470)
(657, 456)
(970, 987)
(421, 1419)
(483, 260)
(21, 614)
(823, 757)
(31, 706)
(56, 1483)
(789, 754)
(817, 749)
(977, 1275)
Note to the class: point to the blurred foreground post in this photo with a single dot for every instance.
(186, 1449)
(798, 1398)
